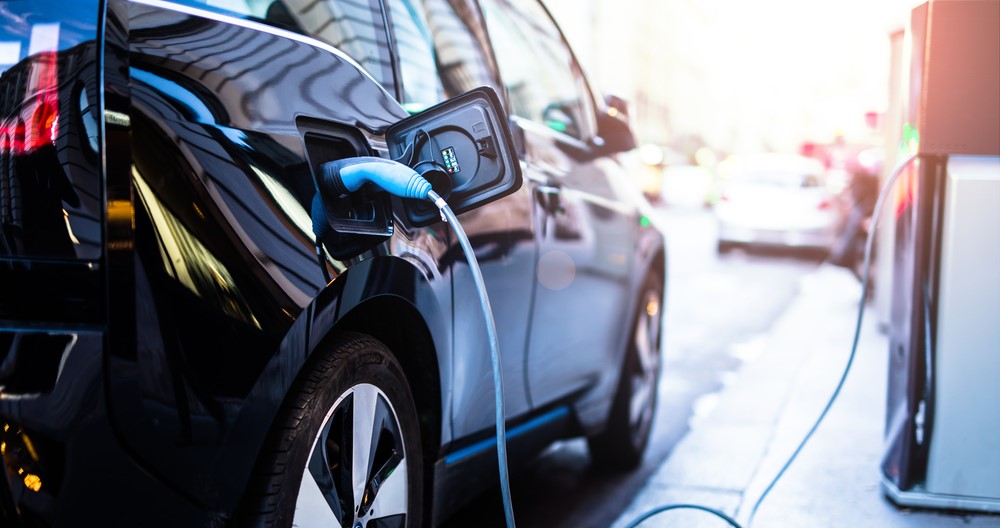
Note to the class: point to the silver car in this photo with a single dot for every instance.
(778, 200)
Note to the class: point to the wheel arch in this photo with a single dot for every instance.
(362, 299)
(409, 339)
(653, 262)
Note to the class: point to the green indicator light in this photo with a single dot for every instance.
(558, 126)
(644, 221)
(450, 160)
(414, 108)
(911, 139)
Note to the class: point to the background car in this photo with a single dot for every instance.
(776, 200)
(192, 335)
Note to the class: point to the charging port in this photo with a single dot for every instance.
(359, 220)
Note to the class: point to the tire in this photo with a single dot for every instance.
(622, 443)
(306, 472)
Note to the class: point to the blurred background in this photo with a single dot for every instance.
(737, 77)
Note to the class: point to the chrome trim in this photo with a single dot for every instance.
(606, 203)
(919, 497)
(542, 129)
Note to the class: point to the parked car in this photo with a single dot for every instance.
(776, 200)
(190, 335)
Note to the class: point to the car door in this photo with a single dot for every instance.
(443, 52)
(584, 233)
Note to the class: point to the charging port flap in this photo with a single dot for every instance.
(463, 146)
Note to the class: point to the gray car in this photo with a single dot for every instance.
(776, 200)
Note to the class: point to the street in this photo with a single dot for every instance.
(719, 310)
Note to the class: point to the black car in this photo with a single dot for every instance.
(192, 335)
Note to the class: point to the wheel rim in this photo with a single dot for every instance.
(356, 473)
(646, 367)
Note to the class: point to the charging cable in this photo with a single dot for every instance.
(869, 242)
(477, 274)
(344, 176)
(348, 175)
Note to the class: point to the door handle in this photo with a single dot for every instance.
(548, 197)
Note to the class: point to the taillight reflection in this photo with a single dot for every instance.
(35, 122)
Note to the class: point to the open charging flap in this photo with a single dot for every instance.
(463, 147)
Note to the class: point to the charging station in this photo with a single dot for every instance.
(942, 420)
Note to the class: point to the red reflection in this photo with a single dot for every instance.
(22, 136)
(906, 190)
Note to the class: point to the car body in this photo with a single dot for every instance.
(776, 200)
(178, 304)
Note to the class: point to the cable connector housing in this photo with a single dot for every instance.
(344, 176)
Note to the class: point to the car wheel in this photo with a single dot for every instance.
(621, 445)
(345, 447)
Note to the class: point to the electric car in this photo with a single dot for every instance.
(193, 334)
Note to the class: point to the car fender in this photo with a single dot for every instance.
(592, 410)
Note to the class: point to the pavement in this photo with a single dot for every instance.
(741, 436)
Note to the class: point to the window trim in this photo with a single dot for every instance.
(394, 60)
(484, 43)
(589, 129)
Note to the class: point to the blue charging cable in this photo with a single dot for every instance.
(344, 176)
(348, 175)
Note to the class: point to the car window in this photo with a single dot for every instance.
(355, 27)
(782, 171)
(537, 66)
(781, 178)
(441, 48)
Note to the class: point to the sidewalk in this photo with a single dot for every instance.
(734, 451)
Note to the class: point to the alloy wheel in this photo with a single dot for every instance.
(356, 475)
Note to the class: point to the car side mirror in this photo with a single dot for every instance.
(619, 104)
(614, 132)
(463, 146)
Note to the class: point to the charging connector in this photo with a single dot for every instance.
(347, 175)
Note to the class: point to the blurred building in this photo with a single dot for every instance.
(739, 76)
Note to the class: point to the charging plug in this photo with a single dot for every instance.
(347, 175)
